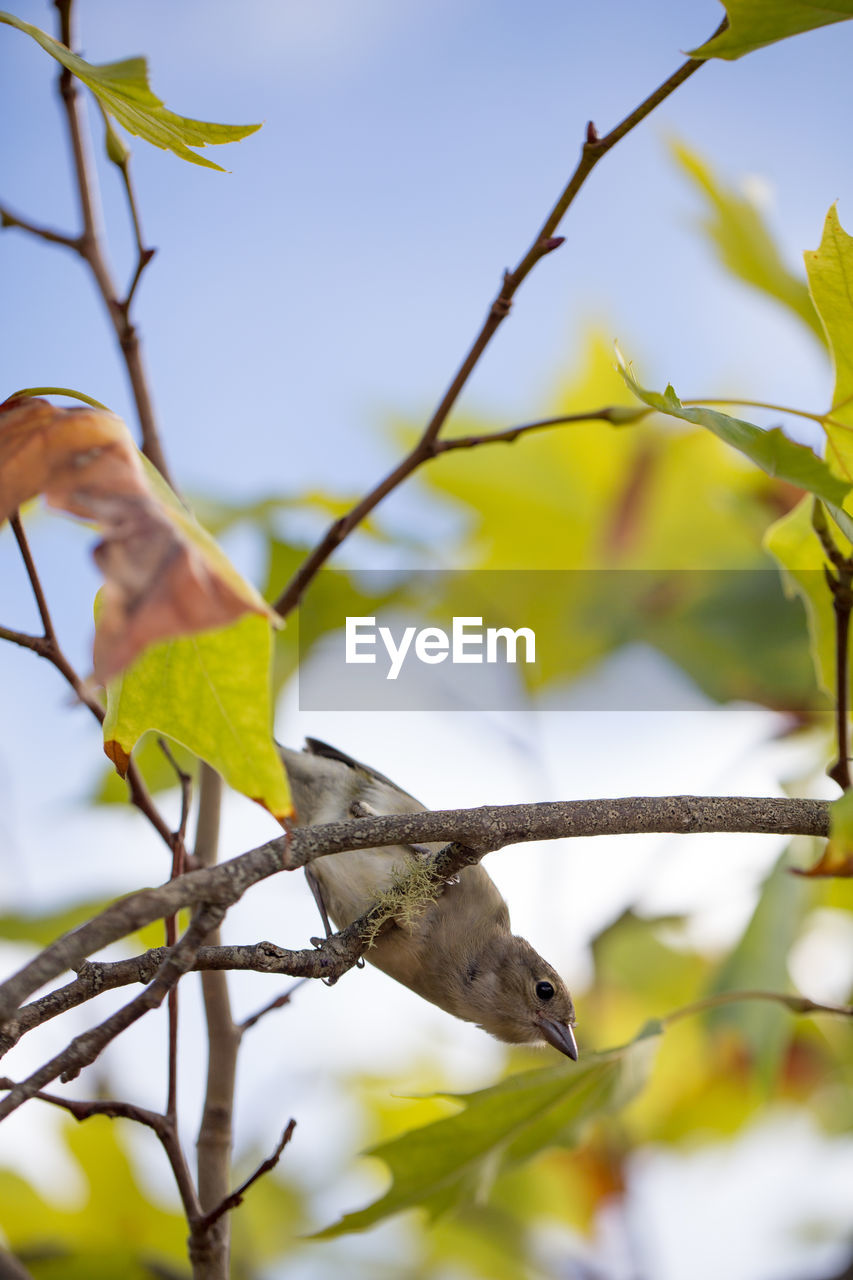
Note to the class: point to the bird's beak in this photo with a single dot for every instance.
(561, 1036)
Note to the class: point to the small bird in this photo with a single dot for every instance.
(459, 952)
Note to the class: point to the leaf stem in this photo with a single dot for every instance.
(820, 418)
(795, 1003)
(26, 392)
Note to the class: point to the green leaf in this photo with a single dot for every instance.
(592, 498)
(123, 91)
(771, 450)
(211, 693)
(793, 542)
(830, 273)
(112, 1231)
(44, 927)
(759, 961)
(457, 1158)
(837, 857)
(744, 243)
(756, 23)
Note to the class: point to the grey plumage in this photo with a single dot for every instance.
(460, 952)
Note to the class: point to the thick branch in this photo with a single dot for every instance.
(593, 150)
(481, 830)
(211, 1236)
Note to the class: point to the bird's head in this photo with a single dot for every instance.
(515, 995)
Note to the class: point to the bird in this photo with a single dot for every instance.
(458, 951)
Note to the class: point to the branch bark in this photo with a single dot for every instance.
(470, 833)
(211, 1237)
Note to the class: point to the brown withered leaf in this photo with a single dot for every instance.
(159, 582)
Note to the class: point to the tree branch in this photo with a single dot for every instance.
(472, 834)
(47, 646)
(278, 1003)
(545, 242)
(12, 1268)
(213, 1146)
(618, 415)
(89, 245)
(10, 219)
(235, 1198)
(85, 1048)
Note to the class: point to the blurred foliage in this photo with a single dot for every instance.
(457, 1159)
(656, 532)
(662, 531)
(759, 962)
(752, 24)
(114, 1230)
(738, 231)
(39, 928)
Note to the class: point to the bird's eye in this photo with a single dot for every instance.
(544, 990)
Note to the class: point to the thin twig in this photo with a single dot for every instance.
(89, 244)
(10, 219)
(32, 574)
(85, 1048)
(143, 254)
(186, 783)
(12, 1268)
(616, 414)
(234, 1198)
(545, 242)
(37, 644)
(796, 1004)
(278, 1003)
(215, 1135)
(47, 646)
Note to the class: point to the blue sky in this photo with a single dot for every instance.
(338, 272)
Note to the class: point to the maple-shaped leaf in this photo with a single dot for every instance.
(163, 575)
(830, 274)
(123, 92)
(755, 23)
(456, 1159)
(777, 454)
